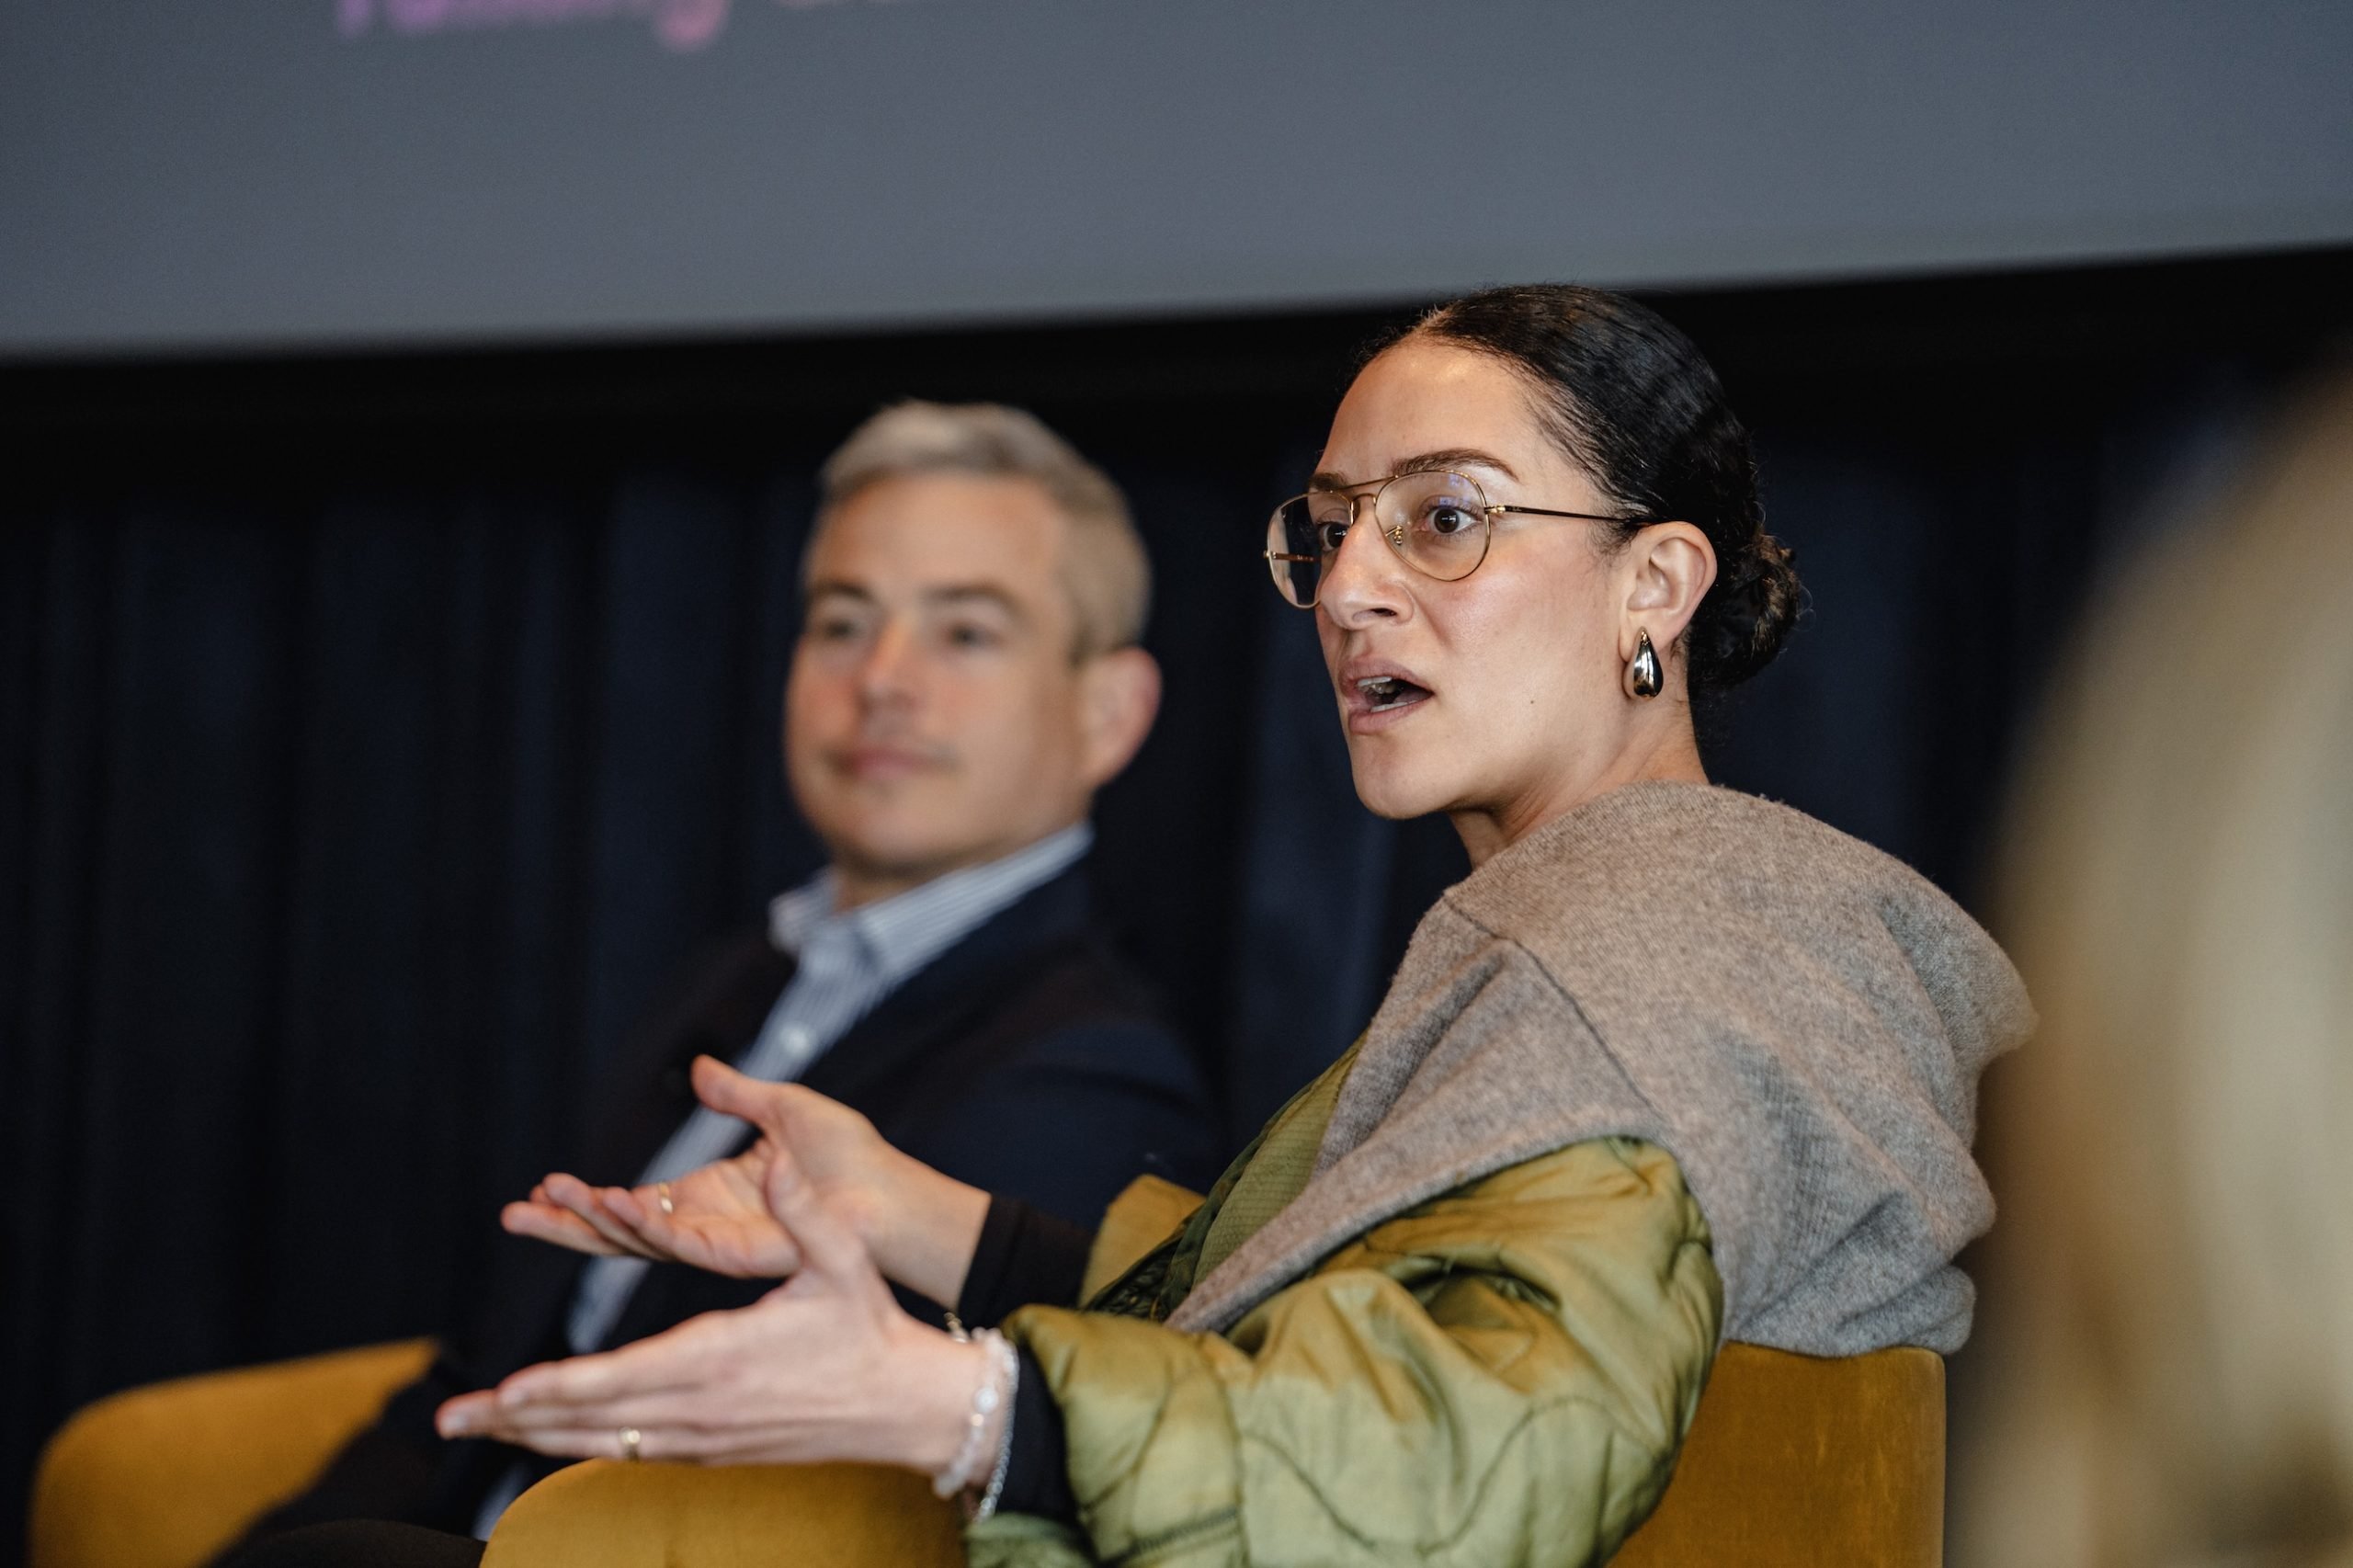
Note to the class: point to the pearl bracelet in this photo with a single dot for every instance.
(977, 1508)
(995, 1389)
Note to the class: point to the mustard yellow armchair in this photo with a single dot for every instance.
(164, 1476)
(1792, 1462)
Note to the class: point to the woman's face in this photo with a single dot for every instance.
(1513, 710)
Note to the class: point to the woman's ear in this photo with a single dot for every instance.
(1119, 696)
(1668, 567)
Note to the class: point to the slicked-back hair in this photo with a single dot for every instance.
(1634, 403)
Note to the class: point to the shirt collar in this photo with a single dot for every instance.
(901, 934)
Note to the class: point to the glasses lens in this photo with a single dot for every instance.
(1437, 521)
(1294, 553)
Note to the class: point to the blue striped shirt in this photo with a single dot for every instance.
(849, 960)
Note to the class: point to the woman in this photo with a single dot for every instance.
(1673, 1065)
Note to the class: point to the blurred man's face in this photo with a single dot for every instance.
(935, 717)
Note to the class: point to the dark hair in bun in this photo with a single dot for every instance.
(1639, 408)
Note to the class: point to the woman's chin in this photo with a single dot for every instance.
(1396, 793)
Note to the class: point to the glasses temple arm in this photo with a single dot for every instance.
(1548, 512)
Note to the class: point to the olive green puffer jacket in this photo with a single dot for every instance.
(1501, 1375)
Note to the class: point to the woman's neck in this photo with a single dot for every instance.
(1671, 753)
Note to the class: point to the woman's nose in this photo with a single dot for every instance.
(1365, 581)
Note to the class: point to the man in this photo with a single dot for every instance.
(968, 675)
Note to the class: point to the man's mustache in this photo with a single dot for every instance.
(883, 750)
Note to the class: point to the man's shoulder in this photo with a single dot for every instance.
(1088, 972)
(1045, 951)
(1084, 998)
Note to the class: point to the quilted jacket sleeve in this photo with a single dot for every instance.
(1503, 1374)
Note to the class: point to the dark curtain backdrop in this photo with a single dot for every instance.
(378, 732)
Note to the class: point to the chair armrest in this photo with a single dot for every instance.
(1795, 1460)
(604, 1514)
(165, 1475)
(1792, 1462)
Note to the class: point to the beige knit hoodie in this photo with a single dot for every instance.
(1798, 1019)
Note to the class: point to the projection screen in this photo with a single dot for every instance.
(241, 173)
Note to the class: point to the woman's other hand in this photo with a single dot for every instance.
(918, 1226)
(716, 1217)
(827, 1367)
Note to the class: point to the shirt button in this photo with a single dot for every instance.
(796, 1039)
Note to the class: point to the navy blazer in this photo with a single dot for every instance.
(1028, 1059)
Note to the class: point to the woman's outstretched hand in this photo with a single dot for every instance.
(918, 1226)
(714, 1218)
(827, 1367)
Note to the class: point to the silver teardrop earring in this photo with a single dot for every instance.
(1644, 677)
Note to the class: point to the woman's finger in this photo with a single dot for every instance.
(588, 1203)
(590, 1442)
(467, 1416)
(661, 1233)
(617, 1225)
(548, 1221)
(830, 1250)
(705, 1409)
(681, 1358)
(579, 1443)
(645, 1218)
(658, 1444)
(749, 1247)
(734, 1094)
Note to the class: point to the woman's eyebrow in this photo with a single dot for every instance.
(1456, 457)
(1422, 462)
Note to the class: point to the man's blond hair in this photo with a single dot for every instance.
(1104, 568)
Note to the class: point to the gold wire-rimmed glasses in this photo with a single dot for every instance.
(1439, 523)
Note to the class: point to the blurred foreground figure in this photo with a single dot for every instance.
(2171, 1302)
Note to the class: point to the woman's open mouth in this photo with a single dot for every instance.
(1385, 694)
